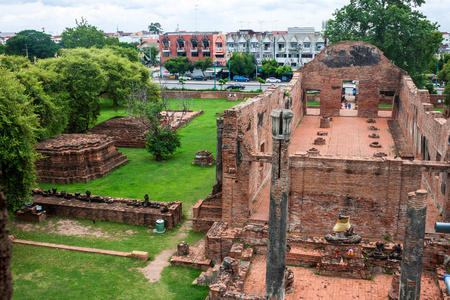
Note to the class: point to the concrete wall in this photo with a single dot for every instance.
(357, 61)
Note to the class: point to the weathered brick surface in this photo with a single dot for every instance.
(77, 158)
(428, 133)
(351, 61)
(114, 212)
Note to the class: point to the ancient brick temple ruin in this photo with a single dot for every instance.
(77, 158)
(344, 174)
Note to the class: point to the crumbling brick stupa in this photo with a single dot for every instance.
(77, 158)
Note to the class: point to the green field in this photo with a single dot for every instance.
(43, 273)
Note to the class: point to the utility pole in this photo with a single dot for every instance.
(26, 49)
(196, 5)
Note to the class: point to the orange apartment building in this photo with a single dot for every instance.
(195, 45)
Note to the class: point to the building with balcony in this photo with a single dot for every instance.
(294, 47)
(195, 45)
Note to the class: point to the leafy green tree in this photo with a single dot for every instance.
(405, 36)
(147, 104)
(179, 64)
(203, 64)
(32, 43)
(124, 51)
(2, 48)
(283, 69)
(161, 141)
(222, 82)
(48, 105)
(269, 66)
(83, 35)
(80, 82)
(19, 126)
(156, 28)
(445, 57)
(444, 76)
(261, 81)
(242, 64)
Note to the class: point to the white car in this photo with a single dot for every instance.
(185, 78)
(273, 80)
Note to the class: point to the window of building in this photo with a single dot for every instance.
(307, 45)
(280, 47)
(194, 53)
(306, 55)
(206, 54)
(220, 56)
(182, 53)
(180, 44)
(194, 44)
(167, 54)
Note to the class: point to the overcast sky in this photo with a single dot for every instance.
(188, 15)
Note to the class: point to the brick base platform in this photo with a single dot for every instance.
(114, 212)
(195, 259)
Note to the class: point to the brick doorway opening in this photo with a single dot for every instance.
(349, 98)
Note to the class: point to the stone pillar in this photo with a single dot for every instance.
(411, 270)
(6, 287)
(278, 208)
(218, 185)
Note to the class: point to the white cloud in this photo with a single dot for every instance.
(225, 16)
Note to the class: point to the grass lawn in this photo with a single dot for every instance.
(43, 273)
(439, 109)
(313, 103)
(385, 106)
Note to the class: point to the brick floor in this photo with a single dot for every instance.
(315, 111)
(308, 285)
(346, 136)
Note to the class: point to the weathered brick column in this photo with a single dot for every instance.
(218, 185)
(278, 209)
(411, 270)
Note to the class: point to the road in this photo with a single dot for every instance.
(209, 84)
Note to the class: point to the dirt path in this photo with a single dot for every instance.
(153, 270)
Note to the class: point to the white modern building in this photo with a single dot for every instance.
(294, 47)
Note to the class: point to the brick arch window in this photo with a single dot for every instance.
(205, 41)
(180, 42)
(165, 41)
(194, 42)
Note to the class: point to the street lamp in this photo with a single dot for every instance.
(437, 70)
(215, 73)
(229, 64)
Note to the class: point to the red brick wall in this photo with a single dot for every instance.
(372, 191)
(247, 129)
(351, 61)
(428, 133)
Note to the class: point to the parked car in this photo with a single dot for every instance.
(199, 78)
(236, 86)
(240, 78)
(273, 80)
(185, 78)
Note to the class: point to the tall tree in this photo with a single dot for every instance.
(32, 43)
(242, 64)
(179, 64)
(2, 48)
(18, 126)
(83, 35)
(47, 104)
(156, 28)
(405, 36)
(80, 82)
(269, 66)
